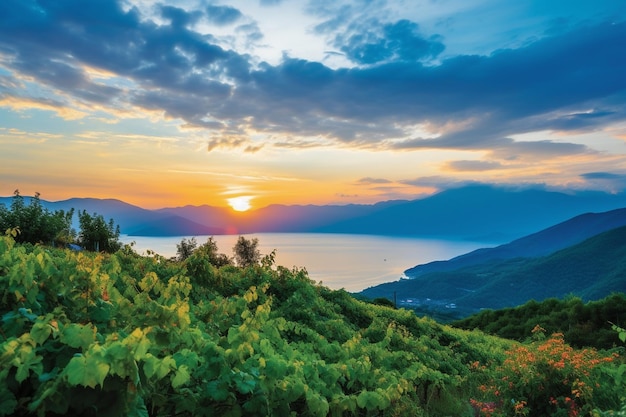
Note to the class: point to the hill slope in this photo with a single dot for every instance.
(591, 270)
(541, 243)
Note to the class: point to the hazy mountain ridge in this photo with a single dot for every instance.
(477, 212)
(480, 213)
(544, 242)
(591, 269)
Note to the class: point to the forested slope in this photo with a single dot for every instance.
(582, 324)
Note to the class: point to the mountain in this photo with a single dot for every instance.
(591, 269)
(174, 226)
(133, 220)
(276, 218)
(479, 213)
(541, 243)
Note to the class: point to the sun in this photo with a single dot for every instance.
(240, 203)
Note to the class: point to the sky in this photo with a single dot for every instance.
(168, 103)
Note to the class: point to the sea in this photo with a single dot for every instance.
(353, 262)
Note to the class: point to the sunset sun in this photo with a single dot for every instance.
(240, 203)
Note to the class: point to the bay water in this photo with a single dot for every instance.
(349, 261)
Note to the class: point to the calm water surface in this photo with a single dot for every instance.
(352, 262)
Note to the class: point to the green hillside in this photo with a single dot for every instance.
(120, 334)
(582, 324)
(592, 269)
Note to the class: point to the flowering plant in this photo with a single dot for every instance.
(544, 378)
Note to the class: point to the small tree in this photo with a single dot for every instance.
(96, 234)
(210, 251)
(185, 248)
(246, 252)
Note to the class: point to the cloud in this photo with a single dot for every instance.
(602, 176)
(179, 18)
(369, 181)
(372, 42)
(234, 142)
(569, 82)
(223, 15)
(611, 181)
(24, 103)
(472, 165)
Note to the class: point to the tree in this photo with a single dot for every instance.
(210, 251)
(96, 234)
(36, 223)
(246, 252)
(185, 248)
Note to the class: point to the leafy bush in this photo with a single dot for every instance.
(546, 378)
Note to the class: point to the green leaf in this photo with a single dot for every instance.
(245, 383)
(369, 400)
(27, 361)
(40, 332)
(78, 335)
(86, 370)
(181, 377)
(142, 348)
(148, 281)
(159, 368)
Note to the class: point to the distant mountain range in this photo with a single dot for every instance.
(584, 256)
(478, 212)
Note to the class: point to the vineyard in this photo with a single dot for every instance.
(97, 334)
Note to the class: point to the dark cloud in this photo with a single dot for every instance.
(611, 181)
(223, 15)
(574, 81)
(179, 17)
(52, 44)
(372, 42)
(602, 176)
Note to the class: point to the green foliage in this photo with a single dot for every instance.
(35, 223)
(246, 252)
(98, 235)
(583, 324)
(185, 248)
(121, 334)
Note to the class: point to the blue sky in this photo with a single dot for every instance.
(295, 102)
